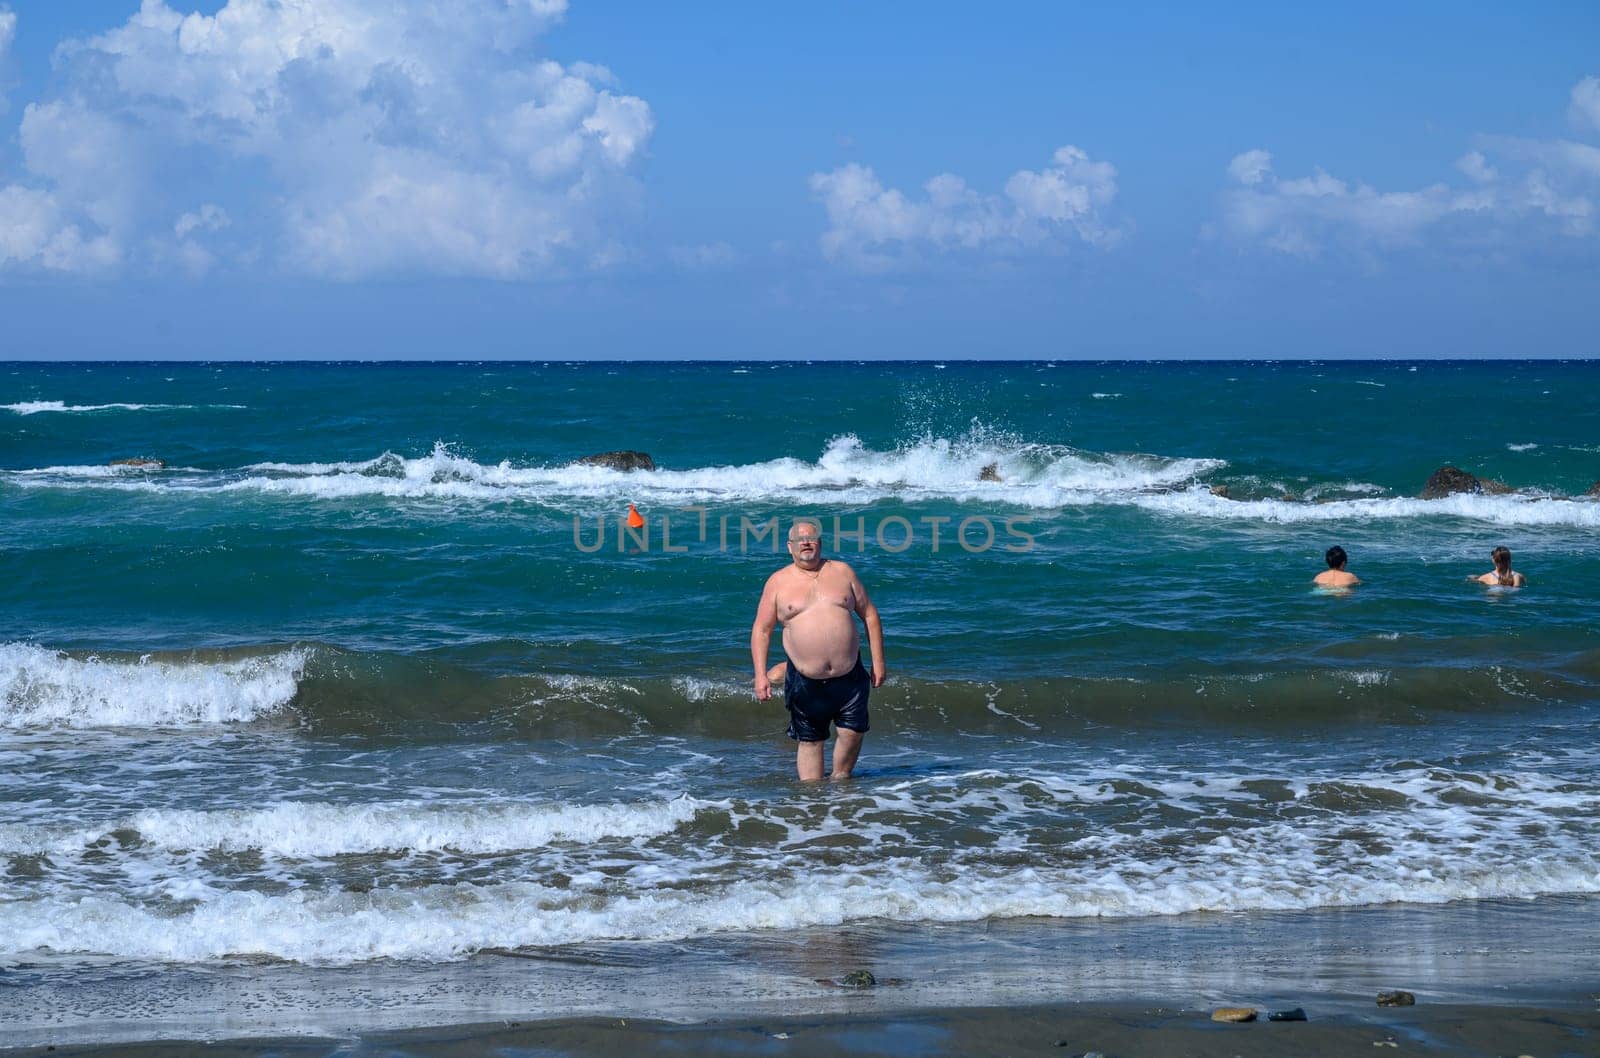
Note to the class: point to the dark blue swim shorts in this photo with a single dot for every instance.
(814, 704)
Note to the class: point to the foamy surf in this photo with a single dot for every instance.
(48, 688)
(847, 472)
(1130, 841)
(301, 831)
(37, 407)
(980, 468)
(1514, 510)
(444, 922)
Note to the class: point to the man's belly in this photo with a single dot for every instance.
(822, 644)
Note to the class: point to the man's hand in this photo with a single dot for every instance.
(763, 687)
(879, 674)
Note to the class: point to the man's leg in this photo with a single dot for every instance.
(808, 760)
(846, 750)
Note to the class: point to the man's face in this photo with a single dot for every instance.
(805, 544)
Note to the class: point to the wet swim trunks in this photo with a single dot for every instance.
(814, 704)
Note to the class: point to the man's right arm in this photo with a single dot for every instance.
(761, 637)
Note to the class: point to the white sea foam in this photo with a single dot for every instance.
(1530, 446)
(440, 922)
(1218, 841)
(297, 830)
(1507, 510)
(35, 407)
(847, 472)
(47, 688)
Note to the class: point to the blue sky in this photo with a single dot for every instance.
(532, 178)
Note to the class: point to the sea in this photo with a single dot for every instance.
(364, 708)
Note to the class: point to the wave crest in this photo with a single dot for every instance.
(49, 688)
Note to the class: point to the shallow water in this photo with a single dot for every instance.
(348, 685)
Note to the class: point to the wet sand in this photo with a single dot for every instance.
(1117, 1031)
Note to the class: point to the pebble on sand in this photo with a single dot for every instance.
(1233, 1014)
(1396, 999)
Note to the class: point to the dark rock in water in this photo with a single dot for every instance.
(1297, 1014)
(1220, 490)
(1493, 487)
(1396, 999)
(1233, 1014)
(990, 473)
(1290, 497)
(1447, 481)
(140, 464)
(858, 979)
(620, 460)
(1594, 490)
(387, 465)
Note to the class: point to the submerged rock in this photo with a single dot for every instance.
(1220, 490)
(1297, 1014)
(990, 473)
(1594, 490)
(624, 459)
(1447, 481)
(1234, 1014)
(1396, 999)
(140, 464)
(858, 979)
(1493, 487)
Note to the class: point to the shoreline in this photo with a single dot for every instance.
(1117, 1030)
(1489, 963)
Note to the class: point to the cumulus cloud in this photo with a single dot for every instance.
(1251, 167)
(871, 226)
(336, 138)
(1532, 188)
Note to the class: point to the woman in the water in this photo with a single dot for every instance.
(1502, 576)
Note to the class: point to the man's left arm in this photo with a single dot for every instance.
(870, 618)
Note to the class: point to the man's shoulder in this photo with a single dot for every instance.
(842, 567)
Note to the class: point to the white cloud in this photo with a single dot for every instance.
(870, 226)
(1477, 167)
(339, 138)
(1585, 108)
(34, 233)
(1535, 189)
(1251, 167)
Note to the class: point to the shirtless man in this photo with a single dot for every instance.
(1502, 576)
(817, 600)
(1335, 575)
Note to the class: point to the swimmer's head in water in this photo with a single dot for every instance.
(1336, 557)
(1501, 557)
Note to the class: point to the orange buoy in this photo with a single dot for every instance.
(635, 519)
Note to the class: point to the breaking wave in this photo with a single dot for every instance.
(326, 690)
(36, 407)
(42, 688)
(981, 468)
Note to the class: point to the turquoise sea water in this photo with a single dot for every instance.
(347, 679)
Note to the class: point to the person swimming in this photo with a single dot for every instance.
(1336, 576)
(1502, 576)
